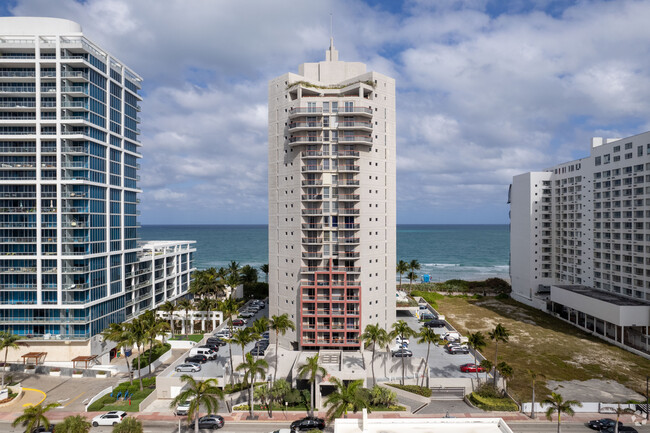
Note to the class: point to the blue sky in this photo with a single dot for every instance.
(487, 89)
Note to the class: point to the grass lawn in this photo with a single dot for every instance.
(193, 337)
(544, 344)
(107, 402)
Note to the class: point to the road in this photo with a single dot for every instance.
(548, 427)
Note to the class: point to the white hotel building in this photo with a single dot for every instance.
(70, 260)
(580, 241)
(332, 205)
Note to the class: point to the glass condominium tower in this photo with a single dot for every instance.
(70, 260)
(332, 204)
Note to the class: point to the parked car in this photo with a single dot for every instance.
(257, 351)
(110, 418)
(308, 423)
(42, 429)
(238, 322)
(435, 323)
(217, 340)
(224, 333)
(454, 350)
(404, 342)
(211, 421)
(452, 336)
(183, 407)
(428, 316)
(471, 368)
(400, 353)
(599, 424)
(208, 353)
(202, 359)
(265, 335)
(622, 429)
(263, 343)
(246, 314)
(214, 347)
(282, 430)
(188, 366)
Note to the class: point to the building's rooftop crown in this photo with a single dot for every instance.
(23, 26)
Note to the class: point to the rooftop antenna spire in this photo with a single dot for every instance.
(331, 33)
(331, 54)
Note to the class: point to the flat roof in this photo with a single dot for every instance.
(601, 295)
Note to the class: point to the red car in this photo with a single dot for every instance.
(238, 322)
(471, 368)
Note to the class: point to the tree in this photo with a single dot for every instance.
(486, 365)
(534, 376)
(621, 411)
(260, 326)
(311, 369)
(265, 269)
(248, 274)
(205, 304)
(229, 307)
(380, 396)
(345, 398)
(234, 272)
(377, 336)
(477, 342)
(279, 392)
(73, 424)
(412, 276)
(187, 306)
(506, 372)
(199, 393)
(169, 308)
(402, 329)
(414, 265)
(7, 341)
(242, 337)
(402, 268)
(264, 395)
(251, 368)
(153, 328)
(120, 335)
(498, 334)
(34, 416)
(556, 403)
(139, 335)
(128, 425)
(427, 335)
(280, 324)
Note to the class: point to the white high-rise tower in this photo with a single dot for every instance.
(332, 207)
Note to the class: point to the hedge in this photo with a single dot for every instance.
(415, 389)
(493, 404)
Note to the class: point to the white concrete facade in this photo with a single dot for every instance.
(332, 201)
(70, 260)
(585, 224)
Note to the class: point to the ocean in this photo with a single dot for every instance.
(471, 252)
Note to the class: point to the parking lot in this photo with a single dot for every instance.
(219, 366)
(441, 363)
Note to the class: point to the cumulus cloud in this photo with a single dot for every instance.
(485, 91)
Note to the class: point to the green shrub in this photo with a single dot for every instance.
(502, 296)
(493, 404)
(144, 358)
(257, 290)
(415, 389)
(488, 390)
(229, 389)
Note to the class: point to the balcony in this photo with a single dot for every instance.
(312, 211)
(354, 168)
(348, 153)
(355, 139)
(312, 255)
(305, 139)
(312, 153)
(74, 75)
(317, 197)
(352, 254)
(347, 197)
(346, 211)
(348, 182)
(17, 74)
(312, 240)
(355, 125)
(22, 104)
(313, 111)
(363, 111)
(312, 168)
(300, 125)
(309, 226)
(312, 182)
(348, 240)
(17, 89)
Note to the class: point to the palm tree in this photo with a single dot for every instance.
(169, 308)
(229, 307)
(34, 416)
(260, 326)
(506, 371)
(487, 365)
(311, 369)
(120, 335)
(234, 269)
(621, 411)
(199, 393)
(402, 329)
(252, 367)
(205, 304)
(139, 335)
(265, 269)
(414, 265)
(248, 274)
(477, 342)
(377, 336)
(344, 398)
(7, 341)
(556, 403)
(186, 305)
(128, 425)
(534, 376)
(427, 335)
(242, 337)
(264, 395)
(153, 327)
(402, 268)
(412, 276)
(73, 424)
(499, 333)
(280, 324)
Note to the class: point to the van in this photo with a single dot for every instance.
(208, 353)
(451, 336)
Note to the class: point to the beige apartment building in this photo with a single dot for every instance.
(332, 204)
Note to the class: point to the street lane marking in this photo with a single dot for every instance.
(36, 390)
(65, 405)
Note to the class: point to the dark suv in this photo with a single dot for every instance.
(308, 423)
(435, 323)
(197, 358)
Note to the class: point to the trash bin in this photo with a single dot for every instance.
(127, 352)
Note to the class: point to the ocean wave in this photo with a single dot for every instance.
(441, 265)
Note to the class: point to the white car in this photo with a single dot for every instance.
(183, 407)
(404, 342)
(190, 366)
(111, 418)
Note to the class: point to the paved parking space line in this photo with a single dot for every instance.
(65, 405)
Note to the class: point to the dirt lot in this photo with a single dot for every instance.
(544, 344)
